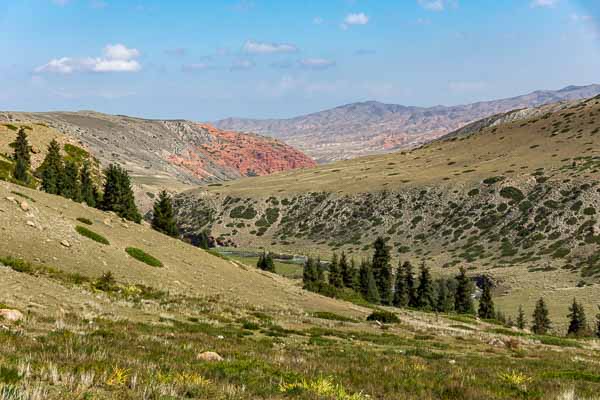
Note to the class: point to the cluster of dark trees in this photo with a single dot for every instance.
(375, 282)
(265, 262)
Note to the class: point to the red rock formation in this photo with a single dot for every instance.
(242, 154)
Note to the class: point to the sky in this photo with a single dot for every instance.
(205, 59)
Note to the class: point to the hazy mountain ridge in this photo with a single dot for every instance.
(372, 127)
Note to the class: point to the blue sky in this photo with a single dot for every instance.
(206, 60)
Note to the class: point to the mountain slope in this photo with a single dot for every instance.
(515, 195)
(372, 127)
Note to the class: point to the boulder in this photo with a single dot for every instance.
(65, 243)
(11, 315)
(31, 223)
(24, 206)
(209, 356)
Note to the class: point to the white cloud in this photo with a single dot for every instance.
(318, 20)
(356, 19)
(316, 63)
(544, 3)
(253, 47)
(117, 58)
(437, 5)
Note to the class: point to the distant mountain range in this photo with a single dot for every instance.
(372, 127)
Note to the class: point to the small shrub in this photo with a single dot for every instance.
(331, 316)
(91, 235)
(385, 317)
(512, 193)
(144, 257)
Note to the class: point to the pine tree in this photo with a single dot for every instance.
(345, 271)
(425, 296)
(118, 195)
(89, 192)
(486, 303)
(577, 320)
(382, 270)
(401, 289)
(70, 183)
(411, 288)
(363, 278)
(541, 321)
(521, 323)
(445, 297)
(598, 324)
(269, 263)
(335, 276)
(463, 301)
(22, 157)
(163, 219)
(355, 276)
(372, 294)
(309, 274)
(52, 169)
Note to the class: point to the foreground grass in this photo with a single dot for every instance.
(102, 359)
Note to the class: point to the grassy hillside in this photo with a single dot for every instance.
(101, 323)
(515, 197)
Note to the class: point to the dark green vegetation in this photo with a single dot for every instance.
(144, 257)
(118, 195)
(162, 216)
(91, 235)
(265, 262)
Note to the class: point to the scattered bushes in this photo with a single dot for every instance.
(144, 257)
(384, 317)
(512, 193)
(91, 235)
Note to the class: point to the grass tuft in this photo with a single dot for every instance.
(144, 257)
(91, 235)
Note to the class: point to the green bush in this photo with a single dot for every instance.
(385, 317)
(84, 221)
(331, 316)
(91, 235)
(144, 257)
(512, 193)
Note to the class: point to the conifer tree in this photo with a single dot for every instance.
(163, 218)
(335, 276)
(355, 276)
(52, 169)
(382, 270)
(541, 321)
(320, 272)
(345, 271)
(372, 294)
(118, 195)
(309, 274)
(577, 320)
(598, 324)
(70, 183)
(363, 278)
(22, 157)
(411, 287)
(445, 298)
(269, 263)
(486, 303)
(401, 289)
(89, 192)
(521, 323)
(463, 301)
(425, 296)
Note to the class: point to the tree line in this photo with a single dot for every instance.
(375, 282)
(66, 178)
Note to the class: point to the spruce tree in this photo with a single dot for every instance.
(463, 301)
(521, 323)
(363, 278)
(335, 276)
(382, 270)
(118, 195)
(310, 274)
(598, 324)
(22, 157)
(577, 320)
(401, 289)
(70, 183)
(345, 271)
(355, 276)
(89, 192)
(411, 288)
(269, 263)
(163, 218)
(445, 297)
(486, 303)
(320, 272)
(541, 321)
(372, 294)
(425, 295)
(52, 169)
